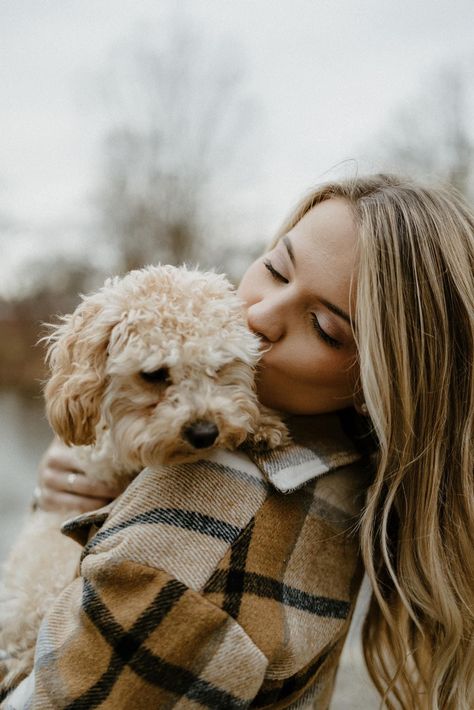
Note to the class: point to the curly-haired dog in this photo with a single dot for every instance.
(155, 368)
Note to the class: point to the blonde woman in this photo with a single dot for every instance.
(365, 304)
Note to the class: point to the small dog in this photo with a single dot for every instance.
(155, 368)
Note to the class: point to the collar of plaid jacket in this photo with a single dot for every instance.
(319, 445)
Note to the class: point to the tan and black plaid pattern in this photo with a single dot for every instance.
(208, 586)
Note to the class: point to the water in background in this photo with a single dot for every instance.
(24, 435)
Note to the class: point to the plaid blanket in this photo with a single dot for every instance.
(225, 583)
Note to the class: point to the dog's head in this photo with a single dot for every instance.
(165, 357)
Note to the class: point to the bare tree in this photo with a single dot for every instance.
(431, 136)
(183, 121)
(178, 134)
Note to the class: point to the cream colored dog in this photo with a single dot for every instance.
(157, 367)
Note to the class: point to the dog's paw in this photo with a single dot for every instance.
(271, 432)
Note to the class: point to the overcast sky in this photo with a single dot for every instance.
(326, 74)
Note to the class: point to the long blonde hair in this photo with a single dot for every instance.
(415, 342)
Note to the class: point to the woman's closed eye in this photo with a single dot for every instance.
(327, 338)
(321, 333)
(276, 274)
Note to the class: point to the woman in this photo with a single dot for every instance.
(365, 306)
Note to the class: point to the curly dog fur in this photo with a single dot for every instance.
(155, 368)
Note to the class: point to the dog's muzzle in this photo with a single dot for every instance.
(201, 434)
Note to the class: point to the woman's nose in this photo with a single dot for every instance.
(266, 320)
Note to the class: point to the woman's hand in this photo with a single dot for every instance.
(63, 486)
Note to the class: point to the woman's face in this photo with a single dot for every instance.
(291, 294)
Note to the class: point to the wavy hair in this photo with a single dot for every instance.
(415, 344)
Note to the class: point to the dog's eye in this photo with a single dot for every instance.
(157, 376)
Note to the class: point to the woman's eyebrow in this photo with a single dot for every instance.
(335, 309)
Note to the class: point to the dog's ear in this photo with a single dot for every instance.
(77, 355)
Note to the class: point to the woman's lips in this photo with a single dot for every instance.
(264, 342)
(265, 358)
(265, 349)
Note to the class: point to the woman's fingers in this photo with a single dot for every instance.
(62, 484)
(76, 483)
(60, 457)
(58, 500)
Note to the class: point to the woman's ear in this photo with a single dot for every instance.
(77, 355)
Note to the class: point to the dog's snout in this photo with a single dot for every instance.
(201, 434)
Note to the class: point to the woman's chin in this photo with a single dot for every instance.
(266, 398)
(290, 403)
(273, 398)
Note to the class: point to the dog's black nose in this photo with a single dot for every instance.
(201, 434)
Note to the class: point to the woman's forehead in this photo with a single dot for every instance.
(323, 249)
(329, 224)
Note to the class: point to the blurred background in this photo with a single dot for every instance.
(173, 131)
